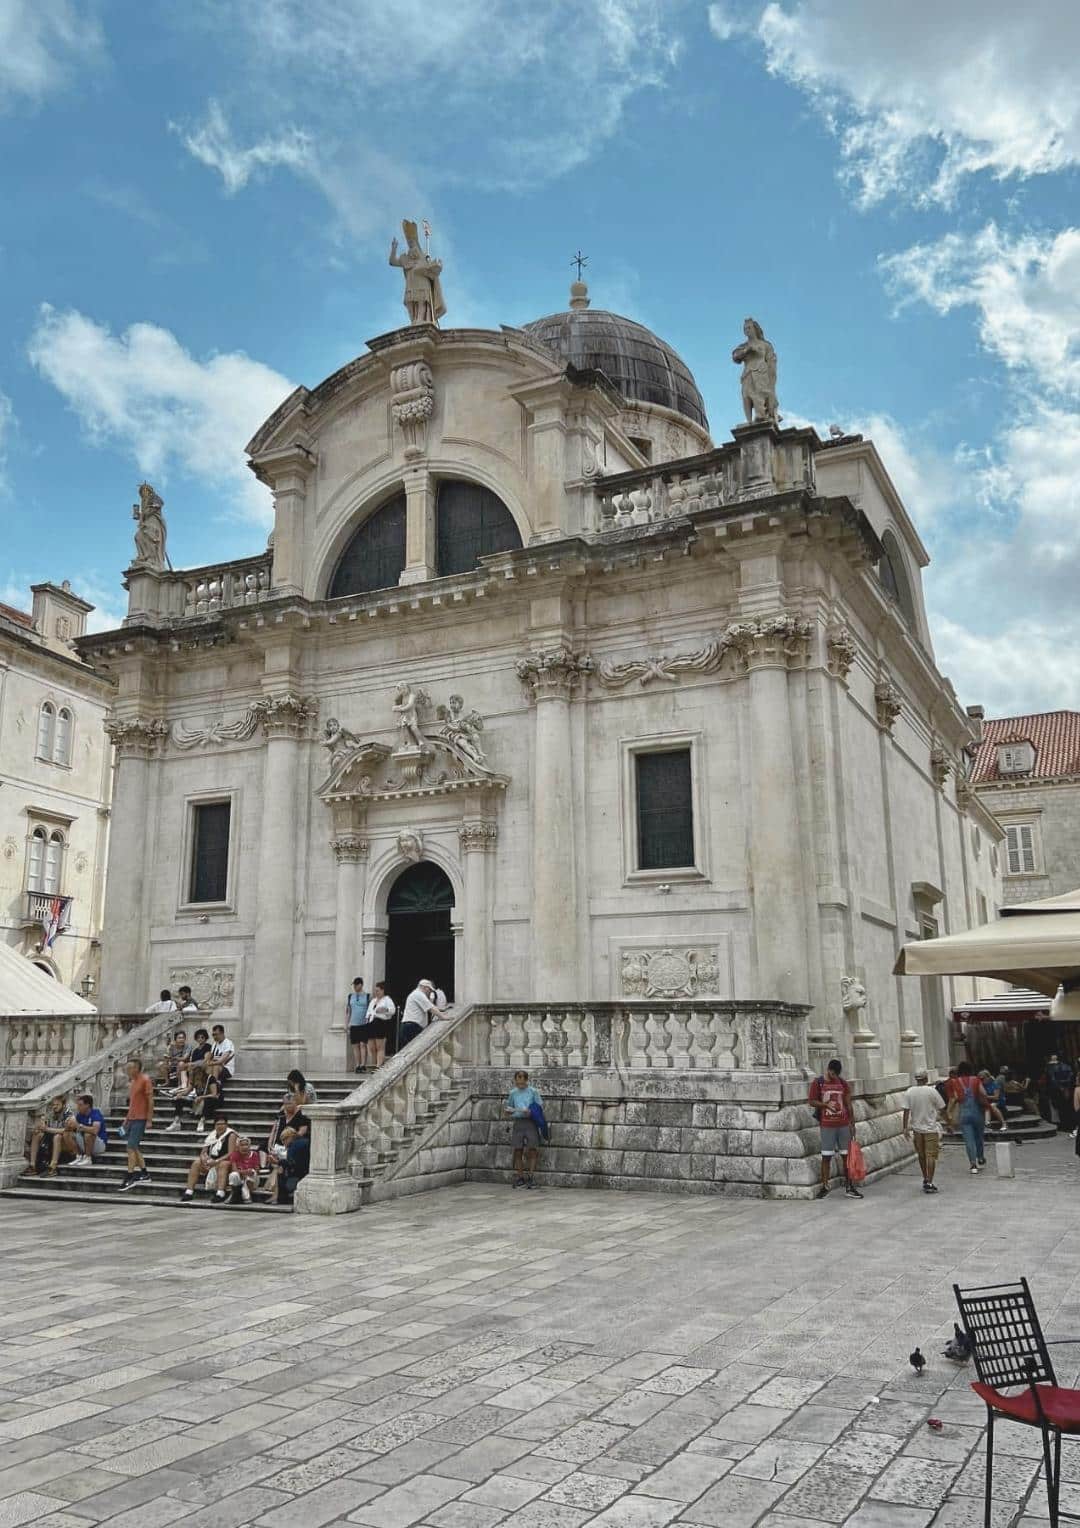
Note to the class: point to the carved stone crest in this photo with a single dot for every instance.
(674, 971)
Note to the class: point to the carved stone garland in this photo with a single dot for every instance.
(780, 639)
(218, 732)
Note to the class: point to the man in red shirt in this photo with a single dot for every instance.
(136, 1124)
(830, 1098)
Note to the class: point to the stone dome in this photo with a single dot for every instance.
(641, 365)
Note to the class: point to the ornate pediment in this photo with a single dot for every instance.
(439, 753)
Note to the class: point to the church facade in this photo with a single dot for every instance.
(541, 694)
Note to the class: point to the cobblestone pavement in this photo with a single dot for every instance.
(484, 1356)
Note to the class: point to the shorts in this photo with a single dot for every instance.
(97, 1147)
(525, 1135)
(134, 1131)
(927, 1146)
(360, 1034)
(835, 1138)
(379, 1029)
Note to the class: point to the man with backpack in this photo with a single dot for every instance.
(830, 1098)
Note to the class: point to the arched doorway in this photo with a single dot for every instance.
(419, 941)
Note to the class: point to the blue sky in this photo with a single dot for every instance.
(197, 202)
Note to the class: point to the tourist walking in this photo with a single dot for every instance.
(972, 1115)
(923, 1108)
(420, 1009)
(381, 1016)
(830, 1098)
(356, 1016)
(136, 1123)
(521, 1106)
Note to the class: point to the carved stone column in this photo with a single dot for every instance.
(125, 974)
(549, 678)
(276, 1042)
(351, 853)
(768, 646)
(477, 836)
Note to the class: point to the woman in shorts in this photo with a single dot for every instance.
(524, 1131)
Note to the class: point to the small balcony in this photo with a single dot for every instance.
(39, 907)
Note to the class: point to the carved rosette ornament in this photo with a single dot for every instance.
(840, 651)
(887, 704)
(552, 673)
(137, 738)
(940, 765)
(412, 401)
(776, 641)
(286, 715)
(349, 848)
(477, 837)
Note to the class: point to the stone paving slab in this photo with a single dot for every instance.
(476, 1358)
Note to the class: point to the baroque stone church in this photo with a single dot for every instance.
(542, 694)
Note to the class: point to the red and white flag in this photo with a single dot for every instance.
(51, 917)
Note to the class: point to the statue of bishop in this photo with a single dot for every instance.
(423, 289)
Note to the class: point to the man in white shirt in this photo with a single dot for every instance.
(381, 1014)
(441, 999)
(164, 1003)
(923, 1107)
(420, 1009)
(221, 1062)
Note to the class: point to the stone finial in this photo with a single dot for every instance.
(579, 295)
(758, 360)
(423, 289)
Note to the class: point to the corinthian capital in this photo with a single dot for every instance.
(552, 673)
(773, 641)
(349, 848)
(286, 715)
(136, 737)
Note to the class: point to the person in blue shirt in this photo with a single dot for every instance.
(356, 1014)
(524, 1132)
(89, 1135)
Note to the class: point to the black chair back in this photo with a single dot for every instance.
(1008, 1345)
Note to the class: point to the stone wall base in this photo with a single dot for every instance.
(741, 1135)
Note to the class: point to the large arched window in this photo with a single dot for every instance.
(471, 522)
(375, 556)
(892, 570)
(46, 730)
(62, 746)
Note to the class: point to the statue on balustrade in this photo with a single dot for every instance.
(150, 530)
(423, 290)
(758, 360)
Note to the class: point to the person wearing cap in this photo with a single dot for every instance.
(420, 1008)
(923, 1108)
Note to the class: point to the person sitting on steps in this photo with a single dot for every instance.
(45, 1129)
(211, 1159)
(243, 1171)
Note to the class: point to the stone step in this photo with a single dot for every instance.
(152, 1195)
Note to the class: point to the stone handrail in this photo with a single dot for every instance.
(243, 582)
(37, 1042)
(99, 1074)
(348, 1138)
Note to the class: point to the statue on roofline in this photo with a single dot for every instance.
(758, 360)
(423, 290)
(150, 530)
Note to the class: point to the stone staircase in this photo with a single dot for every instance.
(1023, 1128)
(252, 1106)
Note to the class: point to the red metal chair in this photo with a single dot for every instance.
(1009, 1351)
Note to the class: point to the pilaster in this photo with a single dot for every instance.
(138, 741)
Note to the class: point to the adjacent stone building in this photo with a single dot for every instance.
(55, 787)
(541, 693)
(1027, 772)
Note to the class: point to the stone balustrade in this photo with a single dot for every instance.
(208, 590)
(108, 1042)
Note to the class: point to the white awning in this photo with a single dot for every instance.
(1032, 944)
(25, 988)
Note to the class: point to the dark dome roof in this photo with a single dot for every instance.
(640, 364)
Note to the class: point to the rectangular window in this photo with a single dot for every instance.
(665, 810)
(210, 851)
(1020, 848)
(983, 910)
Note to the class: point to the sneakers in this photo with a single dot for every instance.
(245, 1194)
(82, 1162)
(219, 1196)
(519, 1182)
(982, 1161)
(188, 1196)
(130, 1180)
(975, 1170)
(929, 1188)
(854, 1193)
(140, 1180)
(176, 1125)
(823, 1192)
(530, 1182)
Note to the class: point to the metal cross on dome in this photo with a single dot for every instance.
(580, 261)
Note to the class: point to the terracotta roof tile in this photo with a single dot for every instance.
(12, 614)
(1055, 736)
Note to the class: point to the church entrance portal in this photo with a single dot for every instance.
(419, 942)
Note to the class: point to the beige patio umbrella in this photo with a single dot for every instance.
(1032, 944)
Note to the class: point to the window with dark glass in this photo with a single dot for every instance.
(210, 851)
(893, 573)
(471, 522)
(375, 556)
(665, 811)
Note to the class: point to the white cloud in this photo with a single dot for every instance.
(42, 43)
(144, 392)
(213, 144)
(925, 94)
(397, 104)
